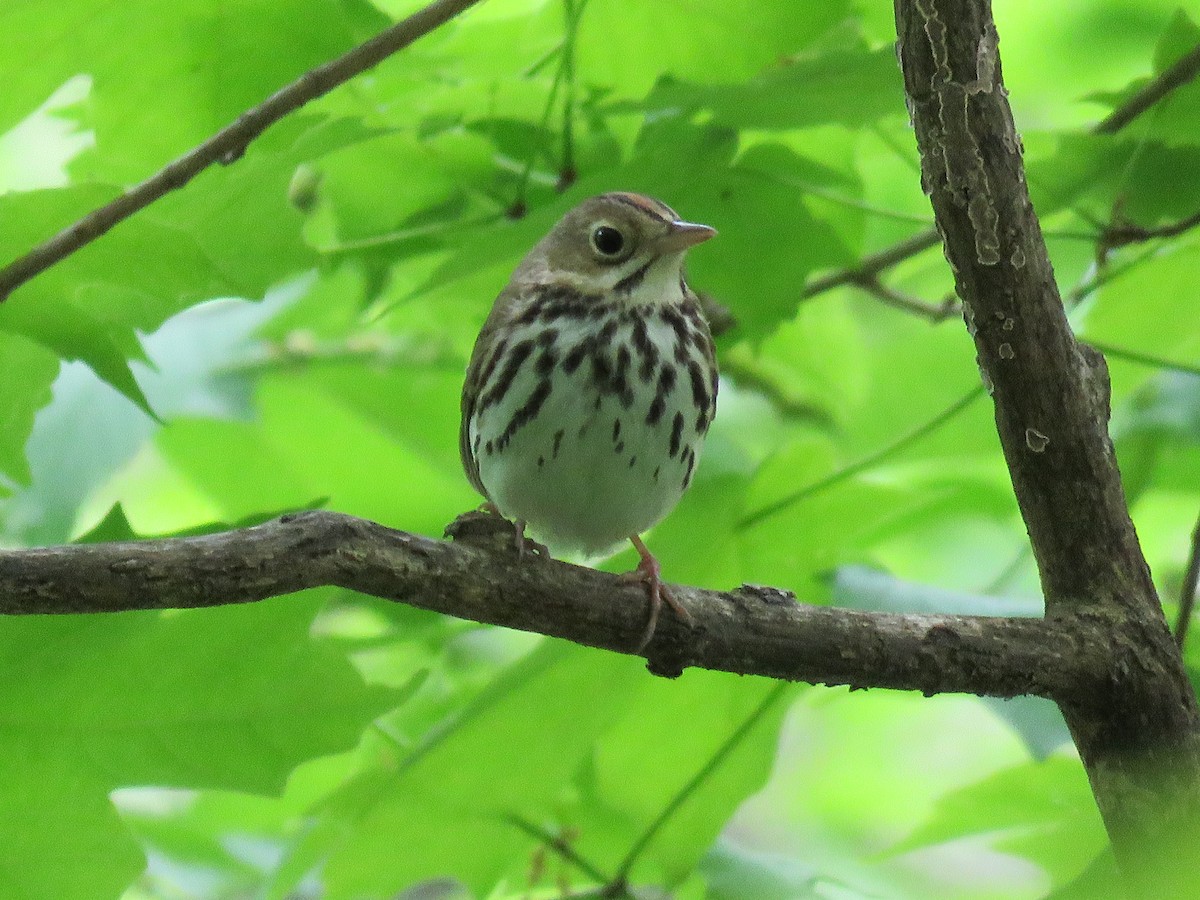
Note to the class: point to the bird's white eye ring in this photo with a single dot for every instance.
(608, 241)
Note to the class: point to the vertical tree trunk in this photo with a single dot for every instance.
(1139, 739)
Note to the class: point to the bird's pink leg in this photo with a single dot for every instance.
(649, 573)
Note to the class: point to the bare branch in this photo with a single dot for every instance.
(870, 266)
(751, 630)
(891, 297)
(1120, 233)
(228, 144)
(1179, 73)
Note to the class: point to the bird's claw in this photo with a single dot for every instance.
(649, 574)
(522, 543)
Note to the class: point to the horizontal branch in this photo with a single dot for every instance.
(230, 142)
(751, 630)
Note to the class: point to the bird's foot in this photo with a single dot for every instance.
(527, 545)
(522, 543)
(649, 574)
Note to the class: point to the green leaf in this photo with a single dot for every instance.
(113, 527)
(1138, 310)
(1174, 119)
(358, 462)
(1042, 810)
(1101, 173)
(218, 716)
(232, 465)
(65, 308)
(844, 85)
(26, 371)
(628, 47)
(425, 178)
(513, 750)
(223, 719)
(208, 63)
(635, 777)
(60, 835)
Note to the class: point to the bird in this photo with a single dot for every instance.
(592, 386)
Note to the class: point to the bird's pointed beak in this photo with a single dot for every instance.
(685, 234)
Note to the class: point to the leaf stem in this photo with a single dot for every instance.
(559, 845)
(740, 733)
(1145, 359)
(867, 462)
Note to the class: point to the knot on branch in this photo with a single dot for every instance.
(1094, 375)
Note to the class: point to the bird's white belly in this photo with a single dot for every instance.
(592, 467)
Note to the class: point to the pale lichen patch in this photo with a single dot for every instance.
(966, 175)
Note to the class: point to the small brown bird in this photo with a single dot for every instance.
(593, 383)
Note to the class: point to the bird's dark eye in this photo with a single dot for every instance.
(607, 240)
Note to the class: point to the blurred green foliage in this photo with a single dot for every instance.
(330, 745)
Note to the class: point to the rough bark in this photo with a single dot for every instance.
(1139, 734)
(752, 630)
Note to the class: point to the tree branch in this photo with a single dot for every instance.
(1176, 75)
(870, 267)
(1122, 234)
(228, 144)
(1141, 744)
(889, 296)
(751, 630)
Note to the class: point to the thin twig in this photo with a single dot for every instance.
(892, 297)
(1121, 234)
(1187, 595)
(1111, 236)
(871, 266)
(1176, 75)
(1126, 234)
(559, 845)
(1102, 275)
(520, 204)
(228, 144)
